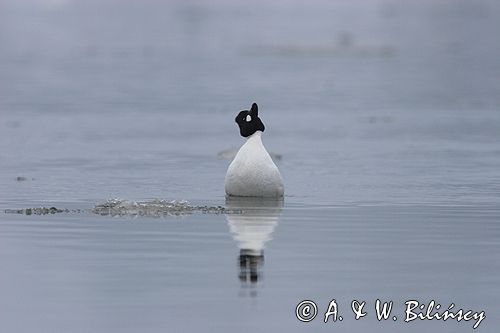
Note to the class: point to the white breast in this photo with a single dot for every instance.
(253, 173)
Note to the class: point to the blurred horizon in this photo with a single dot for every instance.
(81, 56)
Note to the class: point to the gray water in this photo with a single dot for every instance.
(386, 118)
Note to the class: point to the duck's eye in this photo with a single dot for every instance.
(248, 118)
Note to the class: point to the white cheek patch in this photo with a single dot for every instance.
(248, 118)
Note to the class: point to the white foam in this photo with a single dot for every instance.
(153, 208)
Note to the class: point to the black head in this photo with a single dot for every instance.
(249, 121)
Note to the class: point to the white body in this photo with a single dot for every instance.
(253, 173)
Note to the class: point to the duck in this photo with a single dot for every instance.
(252, 172)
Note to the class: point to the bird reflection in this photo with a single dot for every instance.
(252, 222)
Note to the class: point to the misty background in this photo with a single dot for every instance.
(383, 116)
(387, 100)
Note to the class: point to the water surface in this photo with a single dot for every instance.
(385, 115)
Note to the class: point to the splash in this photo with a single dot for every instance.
(41, 211)
(118, 207)
(154, 208)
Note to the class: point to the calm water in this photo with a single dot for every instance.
(385, 115)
